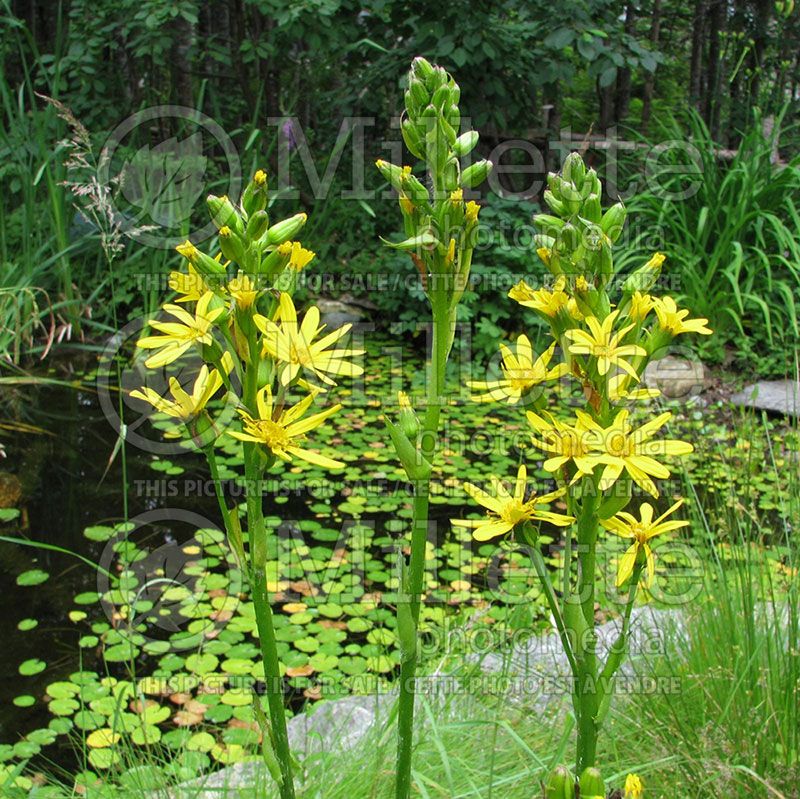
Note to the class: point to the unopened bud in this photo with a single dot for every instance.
(286, 229)
(476, 173)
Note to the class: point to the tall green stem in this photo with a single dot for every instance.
(257, 538)
(412, 591)
(586, 679)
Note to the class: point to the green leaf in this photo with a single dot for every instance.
(32, 577)
(31, 667)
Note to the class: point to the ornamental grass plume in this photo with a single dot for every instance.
(605, 331)
(236, 312)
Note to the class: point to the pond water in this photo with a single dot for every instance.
(73, 494)
(68, 485)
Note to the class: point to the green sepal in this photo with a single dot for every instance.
(424, 240)
(416, 466)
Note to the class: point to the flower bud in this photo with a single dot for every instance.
(224, 214)
(571, 198)
(645, 277)
(204, 264)
(574, 169)
(441, 97)
(591, 209)
(613, 220)
(254, 197)
(407, 419)
(286, 229)
(560, 784)
(592, 785)
(257, 225)
(231, 245)
(412, 138)
(453, 117)
(392, 173)
(414, 188)
(418, 94)
(421, 68)
(465, 143)
(476, 173)
(555, 205)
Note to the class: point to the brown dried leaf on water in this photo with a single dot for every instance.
(300, 671)
(195, 707)
(183, 718)
(179, 698)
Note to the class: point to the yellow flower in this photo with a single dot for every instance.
(260, 177)
(179, 336)
(641, 305)
(183, 406)
(282, 435)
(188, 250)
(631, 450)
(300, 257)
(582, 284)
(633, 787)
(564, 443)
(520, 373)
(640, 531)
(294, 344)
(544, 253)
(604, 345)
(675, 321)
(547, 301)
(471, 211)
(618, 390)
(191, 285)
(506, 511)
(243, 290)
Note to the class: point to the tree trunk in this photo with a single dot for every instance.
(650, 80)
(756, 60)
(606, 113)
(696, 60)
(623, 97)
(716, 22)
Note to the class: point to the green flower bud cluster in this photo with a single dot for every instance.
(440, 227)
(246, 238)
(577, 237)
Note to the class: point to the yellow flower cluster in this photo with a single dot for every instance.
(605, 348)
(235, 311)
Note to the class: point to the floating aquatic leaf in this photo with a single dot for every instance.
(32, 577)
(29, 668)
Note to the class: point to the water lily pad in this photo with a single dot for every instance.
(202, 663)
(25, 700)
(103, 758)
(146, 735)
(29, 668)
(201, 742)
(102, 738)
(27, 624)
(32, 577)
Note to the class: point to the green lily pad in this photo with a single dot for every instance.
(32, 577)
